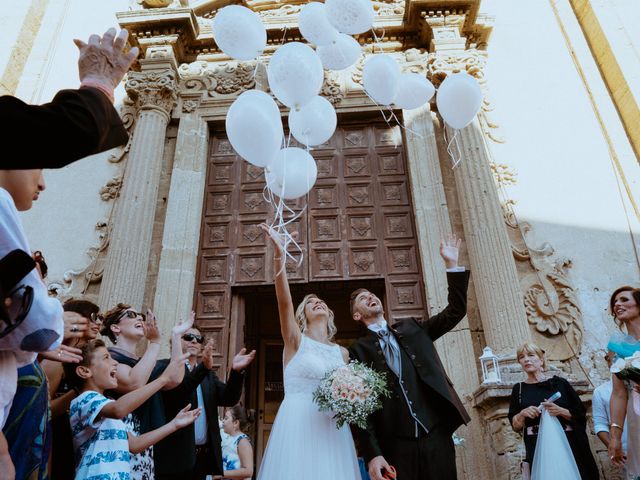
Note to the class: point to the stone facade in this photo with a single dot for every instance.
(545, 196)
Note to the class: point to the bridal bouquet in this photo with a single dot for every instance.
(628, 368)
(351, 392)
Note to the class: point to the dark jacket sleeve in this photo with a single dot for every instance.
(456, 309)
(76, 123)
(368, 445)
(228, 394)
(576, 407)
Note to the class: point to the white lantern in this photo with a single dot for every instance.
(490, 367)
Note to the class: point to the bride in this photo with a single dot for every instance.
(304, 442)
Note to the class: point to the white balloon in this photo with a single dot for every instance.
(350, 16)
(380, 78)
(339, 54)
(314, 122)
(292, 173)
(254, 127)
(414, 90)
(239, 32)
(295, 74)
(314, 25)
(459, 98)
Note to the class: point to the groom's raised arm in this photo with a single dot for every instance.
(456, 308)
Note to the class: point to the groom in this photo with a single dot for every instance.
(412, 432)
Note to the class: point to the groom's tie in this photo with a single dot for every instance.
(391, 352)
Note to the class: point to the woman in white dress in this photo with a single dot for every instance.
(305, 443)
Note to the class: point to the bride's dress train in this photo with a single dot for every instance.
(304, 443)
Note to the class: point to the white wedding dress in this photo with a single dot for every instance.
(304, 443)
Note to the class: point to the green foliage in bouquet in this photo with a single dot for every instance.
(351, 392)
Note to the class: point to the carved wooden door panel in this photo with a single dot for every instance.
(358, 224)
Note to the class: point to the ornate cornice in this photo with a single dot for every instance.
(186, 25)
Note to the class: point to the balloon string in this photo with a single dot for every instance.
(392, 116)
(455, 155)
(377, 42)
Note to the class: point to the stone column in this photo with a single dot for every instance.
(177, 272)
(153, 90)
(433, 223)
(496, 280)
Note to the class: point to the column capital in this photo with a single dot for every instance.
(153, 90)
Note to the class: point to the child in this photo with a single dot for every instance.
(237, 453)
(100, 438)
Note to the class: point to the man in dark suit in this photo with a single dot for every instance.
(195, 451)
(76, 123)
(412, 432)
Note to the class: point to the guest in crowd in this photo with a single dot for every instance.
(601, 414)
(126, 328)
(82, 324)
(237, 452)
(625, 397)
(101, 441)
(195, 452)
(28, 428)
(524, 414)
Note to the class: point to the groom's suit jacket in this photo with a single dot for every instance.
(426, 384)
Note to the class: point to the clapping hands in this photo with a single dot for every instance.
(181, 327)
(242, 359)
(151, 330)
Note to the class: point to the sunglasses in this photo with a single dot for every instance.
(39, 259)
(97, 318)
(132, 314)
(190, 337)
(25, 306)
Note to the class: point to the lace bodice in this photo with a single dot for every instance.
(308, 366)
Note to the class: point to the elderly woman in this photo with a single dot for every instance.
(625, 307)
(568, 409)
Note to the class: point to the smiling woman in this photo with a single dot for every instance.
(625, 399)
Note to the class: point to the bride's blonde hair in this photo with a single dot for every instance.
(301, 318)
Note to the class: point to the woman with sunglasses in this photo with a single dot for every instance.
(126, 328)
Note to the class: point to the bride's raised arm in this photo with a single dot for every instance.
(288, 327)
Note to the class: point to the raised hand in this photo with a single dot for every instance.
(181, 327)
(449, 249)
(63, 354)
(207, 355)
(151, 330)
(102, 62)
(186, 417)
(75, 325)
(242, 359)
(276, 240)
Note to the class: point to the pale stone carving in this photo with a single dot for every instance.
(77, 282)
(153, 90)
(550, 300)
(230, 78)
(112, 189)
(283, 11)
(393, 7)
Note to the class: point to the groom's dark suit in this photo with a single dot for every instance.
(426, 397)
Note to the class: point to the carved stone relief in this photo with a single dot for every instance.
(112, 189)
(153, 90)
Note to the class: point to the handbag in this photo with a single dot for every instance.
(525, 467)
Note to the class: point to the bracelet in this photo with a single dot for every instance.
(277, 258)
(615, 425)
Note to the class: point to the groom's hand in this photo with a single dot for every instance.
(376, 466)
